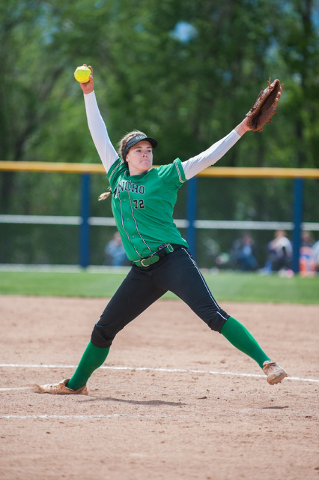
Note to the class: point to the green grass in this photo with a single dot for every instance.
(225, 286)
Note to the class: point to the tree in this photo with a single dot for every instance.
(183, 72)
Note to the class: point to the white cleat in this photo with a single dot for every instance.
(60, 389)
(275, 373)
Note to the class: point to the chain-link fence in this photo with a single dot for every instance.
(44, 223)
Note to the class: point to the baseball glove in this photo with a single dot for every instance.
(265, 106)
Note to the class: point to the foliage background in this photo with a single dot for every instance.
(185, 72)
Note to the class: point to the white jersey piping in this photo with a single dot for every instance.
(114, 171)
(204, 282)
(129, 196)
(178, 171)
(128, 237)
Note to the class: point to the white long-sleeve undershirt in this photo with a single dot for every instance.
(108, 154)
(210, 156)
(102, 142)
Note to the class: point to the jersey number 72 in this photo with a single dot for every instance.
(138, 203)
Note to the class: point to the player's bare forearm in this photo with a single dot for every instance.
(242, 127)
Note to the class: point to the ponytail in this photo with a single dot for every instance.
(105, 195)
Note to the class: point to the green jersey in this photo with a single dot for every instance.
(143, 207)
(143, 204)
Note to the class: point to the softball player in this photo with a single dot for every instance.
(143, 200)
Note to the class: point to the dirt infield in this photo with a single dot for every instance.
(177, 401)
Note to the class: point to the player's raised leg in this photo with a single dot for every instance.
(183, 277)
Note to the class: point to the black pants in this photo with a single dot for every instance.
(176, 272)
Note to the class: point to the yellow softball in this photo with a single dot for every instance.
(82, 74)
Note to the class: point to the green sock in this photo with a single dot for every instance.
(92, 358)
(239, 336)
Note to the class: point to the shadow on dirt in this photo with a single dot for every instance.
(154, 403)
(274, 408)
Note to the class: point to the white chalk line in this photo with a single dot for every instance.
(153, 369)
(13, 388)
(78, 417)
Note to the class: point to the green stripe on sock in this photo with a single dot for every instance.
(92, 358)
(239, 336)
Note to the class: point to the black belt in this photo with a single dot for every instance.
(163, 250)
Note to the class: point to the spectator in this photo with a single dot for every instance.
(279, 253)
(315, 254)
(114, 252)
(307, 266)
(243, 253)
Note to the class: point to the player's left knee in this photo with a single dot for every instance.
(101, 337)
(217, 320)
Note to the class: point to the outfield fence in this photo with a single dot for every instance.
(211, 212)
